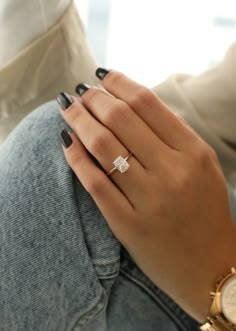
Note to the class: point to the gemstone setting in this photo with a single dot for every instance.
(121, 164)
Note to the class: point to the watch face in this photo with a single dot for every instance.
(228, 299)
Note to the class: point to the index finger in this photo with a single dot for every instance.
(149, 107)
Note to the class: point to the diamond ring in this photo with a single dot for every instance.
(120, 164)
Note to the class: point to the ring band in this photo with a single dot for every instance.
(121, 164)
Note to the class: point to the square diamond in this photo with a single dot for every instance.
(121, 164)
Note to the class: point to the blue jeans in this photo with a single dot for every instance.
(61, 267)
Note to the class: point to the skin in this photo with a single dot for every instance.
(170, 209)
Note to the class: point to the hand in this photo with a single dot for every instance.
(171, 208)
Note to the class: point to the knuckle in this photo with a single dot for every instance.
(204, 156)
(201, 160)
(98, 143)
(93, 93)
(186, 178)
(183, 178)
(96, 185)
(74, 115)
(142, 96)
(116, 112)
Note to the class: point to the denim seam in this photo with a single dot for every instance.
(106, 263)
(108, 276)
(107, 270)
(156, 298)
(95, 311)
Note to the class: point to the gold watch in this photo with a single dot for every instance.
(222, 313)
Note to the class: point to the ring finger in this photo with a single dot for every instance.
(105, 147)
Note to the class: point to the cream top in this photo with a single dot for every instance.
(208, 103)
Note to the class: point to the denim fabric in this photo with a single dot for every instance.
(61, 267)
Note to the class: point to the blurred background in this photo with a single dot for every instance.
(151, 39)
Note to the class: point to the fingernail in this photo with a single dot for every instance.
(82, 88)
(101, 73)
(65, 138)
(64, 100)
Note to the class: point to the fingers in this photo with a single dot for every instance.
(171, 129)
(107, 196)
(129, 128)
(105, 147)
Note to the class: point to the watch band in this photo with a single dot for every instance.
(218, 323)
(216, 320)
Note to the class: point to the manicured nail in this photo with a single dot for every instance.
(101, 73)
(64, 100)
(82, 88)
(65, 138)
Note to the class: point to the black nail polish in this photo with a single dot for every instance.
(101, 73)
(82, 88)
(64, 100)
(65, 138)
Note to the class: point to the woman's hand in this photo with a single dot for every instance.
(170, 209)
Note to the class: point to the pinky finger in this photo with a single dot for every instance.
(110, 200)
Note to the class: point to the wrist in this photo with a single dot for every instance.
(198, 306)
